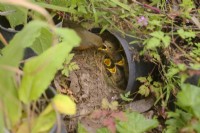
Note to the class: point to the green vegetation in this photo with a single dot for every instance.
(168, 31)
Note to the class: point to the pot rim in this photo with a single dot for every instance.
(131, 64)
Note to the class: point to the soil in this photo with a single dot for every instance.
(87, 86)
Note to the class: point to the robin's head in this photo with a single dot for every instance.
(103, 48)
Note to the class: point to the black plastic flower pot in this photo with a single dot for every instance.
(6, 31)
(194, 80)
(135, 68)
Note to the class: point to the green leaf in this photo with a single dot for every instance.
(58, 8)
(155, 22)
(182, 67)
(2, 124)
(103, 130)
(64, 104)
(45, 121)
(172, 71)
(43, 41)
(81, 128)
(142, 79)
(144, 90)
(11, 56)
(158, 34)
(125, 98)
(19, 16)
(124, 6)
(177, 120)
(136, 123)
(186, 34)
(149, 79)
(166, 41)
(153, 43)
(69, 36)
(9, 98)
(21, 40)
(40, 70)
(189, 100)
(69, 67)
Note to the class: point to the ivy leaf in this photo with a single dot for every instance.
(64, 104)
(186, 34)
(125, 97)
(69, 68)
(144, 90)
(142, 79)
(166, 41)
(153, 43)
(136, 123)
(158, 34)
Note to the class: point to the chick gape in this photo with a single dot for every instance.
(115, 64)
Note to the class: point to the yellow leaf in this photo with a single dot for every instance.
(114, 105)
(64, 104)
(105, 104)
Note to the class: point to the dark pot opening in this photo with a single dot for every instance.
(135, 68)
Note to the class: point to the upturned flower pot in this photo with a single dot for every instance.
(134, 68)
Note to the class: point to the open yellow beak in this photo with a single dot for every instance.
(112, 70)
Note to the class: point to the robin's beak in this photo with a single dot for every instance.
(103, 48)
(120, 62)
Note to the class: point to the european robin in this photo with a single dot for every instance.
(110, 48)
(88, 39)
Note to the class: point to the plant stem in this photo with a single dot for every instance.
(186, 55)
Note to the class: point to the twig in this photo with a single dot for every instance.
(156, 10)
(3, 40)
